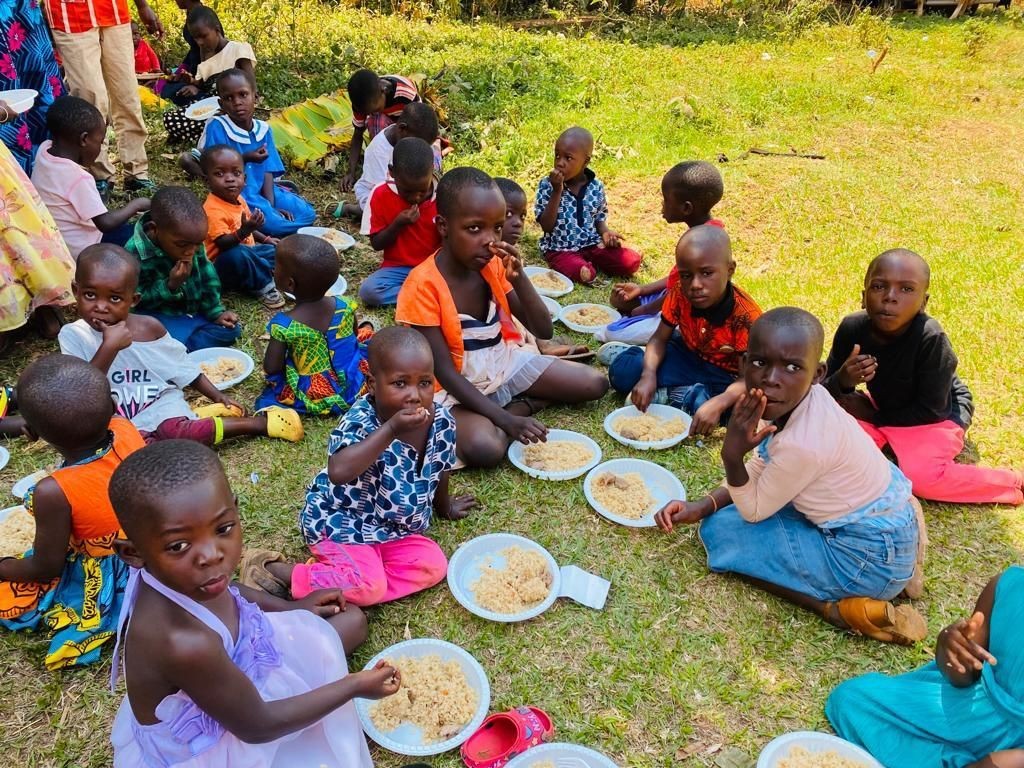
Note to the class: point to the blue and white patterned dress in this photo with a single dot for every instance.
(578, 215)
(391, 499)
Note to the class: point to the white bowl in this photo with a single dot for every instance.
(465, 565)
(515, 455)
(5, 456)
(21, 488)
(20, 100)
(660, 411)
(812, 741)
(554, 308)
(340, 240)
(587, 328)
(576, 756)
(662, 485)
(567, 284)
(200, 110)
(406, 739)
(213, 354)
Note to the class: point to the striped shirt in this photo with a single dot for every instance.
(74, 16)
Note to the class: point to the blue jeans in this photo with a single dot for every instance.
(870, 552)
(681, 367)
(246, 268)
(197, 332)
(119, 236)
(382, 287)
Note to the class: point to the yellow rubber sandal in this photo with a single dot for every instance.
(283, 423)
(218, 409)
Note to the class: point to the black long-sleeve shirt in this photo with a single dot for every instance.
(916, 381)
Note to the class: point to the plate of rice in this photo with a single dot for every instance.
(810, 749)
(503, 577)
(588, 318)
(662, 426)
(203, 109)
(630, 491)
(17, 531)
(225, 367)
(555, 754)
(444, 698)
(547, 282)
(342, 241)
(554, 308)
(565, 455)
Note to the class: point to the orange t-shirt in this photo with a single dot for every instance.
(94, 525)
(425, 300)
(74, 16)
(224, 219)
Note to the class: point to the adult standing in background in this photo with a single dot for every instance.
(26, 61)
(94, 38)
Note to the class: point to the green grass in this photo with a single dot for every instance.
(926, 153)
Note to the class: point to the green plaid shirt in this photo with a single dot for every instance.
(198, 295)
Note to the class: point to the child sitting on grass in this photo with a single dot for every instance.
(315, 357)
(693, 359)
(177, 283)
(70, 581)
(818, 516)
(69, 191)
(915, 403)
(366, 513)
(376, 103)
(146, 60)
(962, 709)
(399, 218)
(146, 367)
(217, 54)
(572, 210)
(464, 299)
(284, 210)
(242, 255)
(418, 121)
(688, 193)
(218, 674)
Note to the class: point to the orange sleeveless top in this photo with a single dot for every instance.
(94, 525)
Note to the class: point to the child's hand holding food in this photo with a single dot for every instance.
(383, 680)
(409, 419)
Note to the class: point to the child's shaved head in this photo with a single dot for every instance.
(172, 206)
(579, 137)
(107, 256)
(696, 182)
(901, 256)
(392, 344)
(311, 260)
(453, 184)
(707, 240)
(65, 401)
(420, 120)
(792, 318)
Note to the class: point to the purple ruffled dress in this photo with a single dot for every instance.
(284, 654)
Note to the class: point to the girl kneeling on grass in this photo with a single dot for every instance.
(965, 709)
(387, 472)
(464, 300)
(219, 675)
(818, 517)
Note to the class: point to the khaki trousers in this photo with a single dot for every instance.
(99, 66)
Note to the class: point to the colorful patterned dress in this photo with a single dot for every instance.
(35, 265)
(27, 61)
(81, 605)
(323, 372)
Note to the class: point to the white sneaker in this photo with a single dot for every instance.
(610, 350)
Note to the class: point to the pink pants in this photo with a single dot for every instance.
(612, 261)
(926, 453)
(183, 428)
(368, 574)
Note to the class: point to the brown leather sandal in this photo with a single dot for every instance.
(883, 621)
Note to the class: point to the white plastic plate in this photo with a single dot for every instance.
(5, 456)
(213, 354)
(21, 488)
(20, 100)
(554, 308)
(340, 240)
(465, 566)
(613, 313)
(5, 513)
(515, 455)
(573, 754)
(661, 412)
(203, 109)
(812, 741)
(407, 739)
(661, 484)
(567, 284)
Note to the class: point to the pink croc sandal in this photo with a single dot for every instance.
(505, 735)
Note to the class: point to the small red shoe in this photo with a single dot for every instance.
(505, 735)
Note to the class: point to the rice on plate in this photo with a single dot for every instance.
(625, 494)
(648, 428)
(524, 582)
(557, 455)
(589, 316)
(17, 531)
(799, 757)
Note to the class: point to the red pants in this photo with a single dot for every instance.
(368, 574)
(926, 453)
(183, 428)
(621, 262)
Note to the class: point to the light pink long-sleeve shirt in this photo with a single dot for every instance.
(822, 462)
